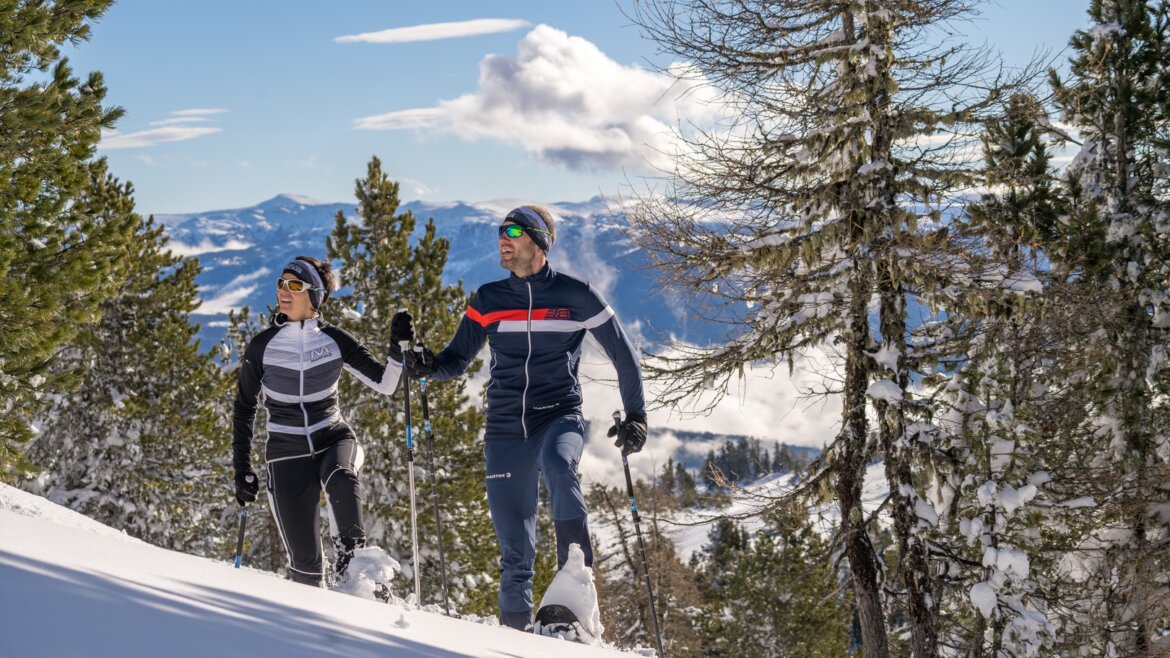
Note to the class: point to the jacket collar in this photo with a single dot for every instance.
(540, 280)
(281, 320)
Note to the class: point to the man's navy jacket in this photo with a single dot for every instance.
(535, 326)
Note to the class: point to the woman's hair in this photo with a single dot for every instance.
(327, 277)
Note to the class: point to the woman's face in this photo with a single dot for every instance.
(295, 305)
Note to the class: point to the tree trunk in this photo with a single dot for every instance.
(849, 469)
(914, 562)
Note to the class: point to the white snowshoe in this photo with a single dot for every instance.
(568, 609)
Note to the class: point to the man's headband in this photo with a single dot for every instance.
(541, 234)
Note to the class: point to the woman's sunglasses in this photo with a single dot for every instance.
(293, 285)
(514, 231)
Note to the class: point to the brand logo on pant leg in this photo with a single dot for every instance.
(498, 476)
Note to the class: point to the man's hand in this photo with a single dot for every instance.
(631, 435)
(247, 486)
(420, 362)
(401, 330)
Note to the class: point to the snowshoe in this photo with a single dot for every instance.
(560, 622)
(568, 609)
(368, 575)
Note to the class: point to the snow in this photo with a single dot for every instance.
(884, 389)
(983, 598)
(887, 357)
(74, 587)
(573, 588)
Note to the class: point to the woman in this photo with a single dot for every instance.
(296, 363)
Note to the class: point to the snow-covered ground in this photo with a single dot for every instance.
(70, 586)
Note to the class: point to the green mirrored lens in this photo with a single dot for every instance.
(512, 230)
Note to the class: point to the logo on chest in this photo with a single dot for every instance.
(320, 353)
(557, 314)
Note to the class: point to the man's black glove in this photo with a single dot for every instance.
(420, 362)
(247, 486)
(401, 329)
(632, 435)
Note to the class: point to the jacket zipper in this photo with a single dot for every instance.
(524, 395)
(304, 411)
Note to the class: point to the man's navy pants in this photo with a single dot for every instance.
(513, 466)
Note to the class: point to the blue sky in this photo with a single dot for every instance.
(229, 103)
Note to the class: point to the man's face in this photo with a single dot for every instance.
(520, 256)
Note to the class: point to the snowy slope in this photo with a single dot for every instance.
(74, 587)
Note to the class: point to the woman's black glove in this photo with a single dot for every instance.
(247, 486)
(401, 330)
(632, 434)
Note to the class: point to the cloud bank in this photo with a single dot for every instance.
(565, 101)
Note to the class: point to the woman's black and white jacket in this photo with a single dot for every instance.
(296, 365)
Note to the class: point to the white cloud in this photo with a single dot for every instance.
(419, 188)
(178, 121)
(427, 117)
(436, 31)
(564, 100)
(153, 136)
(176, 128)
(766, 404)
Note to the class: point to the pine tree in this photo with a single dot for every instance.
(1117, 96)
(766, 596)
(139, 445)
(386, 266)
(56, 262)
(990, 455)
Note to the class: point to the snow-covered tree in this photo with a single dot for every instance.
(386, 265)
(140, 444)
(826, 192)
(990, 450)
(771, 594)
(1117, 97)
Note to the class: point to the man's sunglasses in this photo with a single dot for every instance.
(293, 285)
(514, 231)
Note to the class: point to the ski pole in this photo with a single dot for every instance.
(240, 537)
(426, 411)
(410, 479)
(617, 424)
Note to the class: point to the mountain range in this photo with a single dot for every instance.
(242, 250)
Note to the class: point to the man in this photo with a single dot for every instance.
(535, 322)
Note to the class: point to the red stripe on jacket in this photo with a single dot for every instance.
(521, 315)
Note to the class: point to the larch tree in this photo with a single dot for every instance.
(827, 194)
